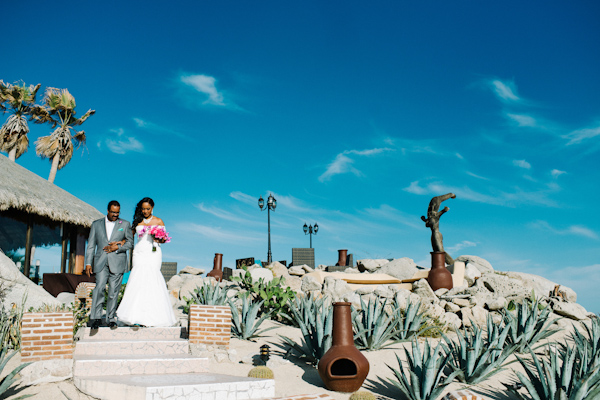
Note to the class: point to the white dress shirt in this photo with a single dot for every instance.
(110, 225)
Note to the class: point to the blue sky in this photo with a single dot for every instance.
(352, 114)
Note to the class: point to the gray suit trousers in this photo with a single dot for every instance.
(114, 286)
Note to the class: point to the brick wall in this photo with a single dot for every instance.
(46, 336)
(210, 325)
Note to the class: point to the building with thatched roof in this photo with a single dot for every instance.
(34, 211)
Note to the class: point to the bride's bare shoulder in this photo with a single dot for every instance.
(158, 221)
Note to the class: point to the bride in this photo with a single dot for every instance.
(146, 299)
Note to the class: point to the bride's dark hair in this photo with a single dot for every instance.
(137, 215)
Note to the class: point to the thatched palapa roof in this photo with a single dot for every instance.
(23, 193)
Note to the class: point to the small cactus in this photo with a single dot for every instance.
(362, 395)
(261, 372)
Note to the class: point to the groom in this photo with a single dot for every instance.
(109, 240)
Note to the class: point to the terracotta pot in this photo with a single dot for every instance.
(343, 368)
(439, 276)
(217, 271)
(342, 256)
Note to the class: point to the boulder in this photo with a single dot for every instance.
(307, 269)
(482, 265)
(188, 287)
(296, 271)
(47, 371)
(294, 283)
(440, 292)
(424, 291)
(366, 289)
(310, 283)
(451, 320)
(500, 285)
(432, 310)
(451, 307)
(370, 265)
(479, 315)
(472, 273)
(541, 285)
(278, 269)
(191, 271)
(570, 310)
(265, 273)
(384, 292)
(462, 303)
(66, 298)
(496, 304)
(15, 285)
(175, 282)
(336, 289)
(401, 268)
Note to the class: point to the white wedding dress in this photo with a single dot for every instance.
(146, 300)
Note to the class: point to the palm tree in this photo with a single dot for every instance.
(59, 109)
(20, 100)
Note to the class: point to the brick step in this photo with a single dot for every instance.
(133, 333)
(98, 365)
(131, 347)
(176, 386)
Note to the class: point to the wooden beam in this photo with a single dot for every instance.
(72, 246)
(64, 248)
(28, 242)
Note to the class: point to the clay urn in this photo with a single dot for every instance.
(343, 368)
(439, 276)
(217, 271)
(342, 256)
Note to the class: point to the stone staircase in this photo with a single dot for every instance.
(153, 364)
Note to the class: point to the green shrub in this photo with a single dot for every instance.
(275, 294)
(10, 327)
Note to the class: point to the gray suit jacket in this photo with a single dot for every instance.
(117, 260)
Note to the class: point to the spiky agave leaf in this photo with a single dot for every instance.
(529, 325)
(423, 381)
(374, 328)
(245, 325)
(9, 380)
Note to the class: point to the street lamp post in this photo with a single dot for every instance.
(271, 205)
(310, 230)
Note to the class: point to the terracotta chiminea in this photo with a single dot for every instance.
(343, 368)
(439, 276)
(217, 271)
(342, 256)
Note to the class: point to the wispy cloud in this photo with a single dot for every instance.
(501, 198)
(205, 84)
(523, 120)
(581, 134)
(119, 143)
(219, 234)
(388, 213)
(577, 230)
(222, 214)
(505, 91)
(477, 176)
(342, 163)
(462, 245)
(151, 126)
(244, 198)
(556, 173)
(521, 164)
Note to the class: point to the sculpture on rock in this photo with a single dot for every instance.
(433, 221)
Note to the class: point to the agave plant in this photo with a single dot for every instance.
(374, 328)
(10, 326)
(411, 322)
(245, 325)
(425, 379)
(315, 320)
(20, 100)
(529, 325)
(9, 380)
(209, 294)
(561, 378)
(589, 345)
(475, 356)
(59, 109)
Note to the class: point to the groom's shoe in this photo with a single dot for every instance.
(112, 325)
(95, 324)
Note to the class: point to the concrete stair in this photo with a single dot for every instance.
(153, 364)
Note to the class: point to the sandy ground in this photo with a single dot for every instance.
(294, 377)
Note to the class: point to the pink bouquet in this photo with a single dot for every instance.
(158, 232)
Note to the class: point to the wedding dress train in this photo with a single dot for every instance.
(146, 300)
